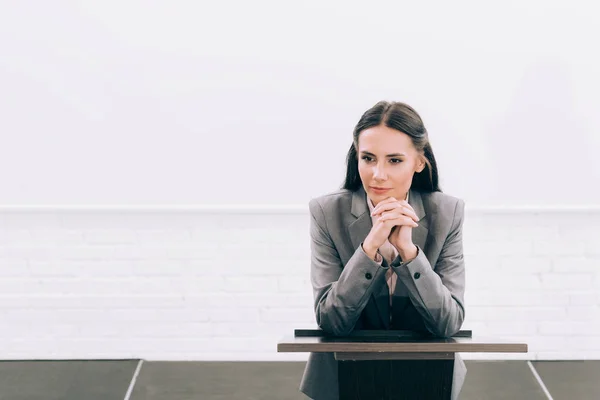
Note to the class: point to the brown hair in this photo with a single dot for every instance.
(404, 118)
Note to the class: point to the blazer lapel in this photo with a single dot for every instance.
(361, 226)
(419, 234)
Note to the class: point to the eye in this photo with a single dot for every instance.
(367, 158)
(395, 160)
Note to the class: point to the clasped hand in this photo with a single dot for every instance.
(395, 220)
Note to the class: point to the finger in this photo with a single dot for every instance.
(386, 204)
(407, 204)
(383, 202)
(391, 214)
(402, 221)
(396, 218)
(384, 207)
(410, 212)
(403, 209)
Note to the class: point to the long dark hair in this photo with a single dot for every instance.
(404, 118)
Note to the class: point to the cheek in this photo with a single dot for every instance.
(403, 173)
(363, 170)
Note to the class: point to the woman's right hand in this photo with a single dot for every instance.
(382, 228)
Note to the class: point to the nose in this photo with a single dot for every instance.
(379, 173)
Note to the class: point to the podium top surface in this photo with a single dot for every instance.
(398, 343)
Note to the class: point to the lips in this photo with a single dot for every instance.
(379, 190)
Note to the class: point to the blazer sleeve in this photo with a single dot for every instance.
(438, 293)
(340, 292)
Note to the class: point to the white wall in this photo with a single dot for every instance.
(188, 102)
(223, 106)
(227, 285)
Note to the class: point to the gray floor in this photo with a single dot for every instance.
(570, 379)
(110, 380)
(219, 381)
(501, 380)
(62, 380)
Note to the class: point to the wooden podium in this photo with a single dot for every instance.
(387, 364)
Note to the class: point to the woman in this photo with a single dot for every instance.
(386, 249)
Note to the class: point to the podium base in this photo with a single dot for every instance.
(393, 379)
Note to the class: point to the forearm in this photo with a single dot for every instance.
(339, 304)
(442, 312)
(408, 254)
(370, 251)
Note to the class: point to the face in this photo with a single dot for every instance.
(387, 159)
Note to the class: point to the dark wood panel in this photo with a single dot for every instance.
(395, 380)
(393, 356)
(375, 333)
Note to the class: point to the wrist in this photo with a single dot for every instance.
(369, 250)
(408, 253)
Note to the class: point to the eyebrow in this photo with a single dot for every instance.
(389, 155)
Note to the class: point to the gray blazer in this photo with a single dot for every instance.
(350, 292)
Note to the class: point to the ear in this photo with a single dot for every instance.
(420, 164)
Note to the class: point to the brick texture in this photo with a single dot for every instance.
(181, 285)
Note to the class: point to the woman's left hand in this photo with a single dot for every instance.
(401, 235)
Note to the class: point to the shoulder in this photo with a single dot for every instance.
(443, 205)
(337, 200)
(439, 199)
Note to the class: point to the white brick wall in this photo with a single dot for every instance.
(227, 285)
